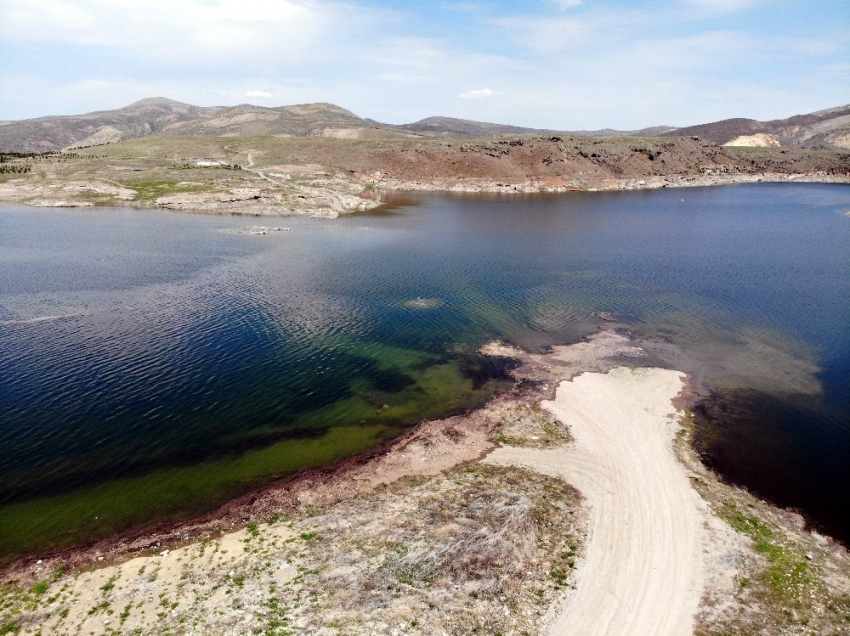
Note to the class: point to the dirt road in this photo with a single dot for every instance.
(643, 570)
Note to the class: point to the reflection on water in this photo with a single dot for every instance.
(152, 365)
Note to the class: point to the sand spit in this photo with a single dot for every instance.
(574, 504)
(643, 570)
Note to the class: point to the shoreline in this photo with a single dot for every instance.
(655, 182)
(510, 424)
(534, 380)
(256, 204)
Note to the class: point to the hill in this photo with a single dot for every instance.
(258, 121)
(823, 129)
(454, 128)
(161, 117)
(144, 118)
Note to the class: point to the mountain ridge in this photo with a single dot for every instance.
(161, 116)
(820, 129)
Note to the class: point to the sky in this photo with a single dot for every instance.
(560, 64)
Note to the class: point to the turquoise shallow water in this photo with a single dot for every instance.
(153, 365)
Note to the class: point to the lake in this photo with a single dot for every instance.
(154, 365)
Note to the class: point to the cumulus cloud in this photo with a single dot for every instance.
(259, 94)
(482, 93)
(565, 4)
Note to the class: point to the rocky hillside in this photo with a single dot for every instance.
(550, 158)
(452, 128)
(823, 129)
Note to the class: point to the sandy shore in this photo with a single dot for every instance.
(643, 571)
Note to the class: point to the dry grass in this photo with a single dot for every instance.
(475, 550)
(323, 176)
(529, 425)
(480, 551)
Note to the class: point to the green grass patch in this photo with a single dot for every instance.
(787, 572)
(40, 588)
(149, 190)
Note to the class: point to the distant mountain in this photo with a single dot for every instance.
(652, 131)
(161, 117)
(452, 127)
(823, 129)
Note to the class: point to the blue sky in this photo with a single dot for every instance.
(565, 64)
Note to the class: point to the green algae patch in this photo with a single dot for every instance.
(390, 389)
(168, 494)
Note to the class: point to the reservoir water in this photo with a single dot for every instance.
(153, 365)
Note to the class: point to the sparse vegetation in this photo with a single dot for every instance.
(518, 424)
(480, 549)
(793, 583)
(327, 176)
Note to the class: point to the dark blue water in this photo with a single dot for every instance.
(137, 347)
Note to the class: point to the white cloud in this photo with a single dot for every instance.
(214, 34)
(544, 34)
(717, 7)
(482, 93)
(407, 52)
(401, 77)
(565, 4)
(670, 62)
